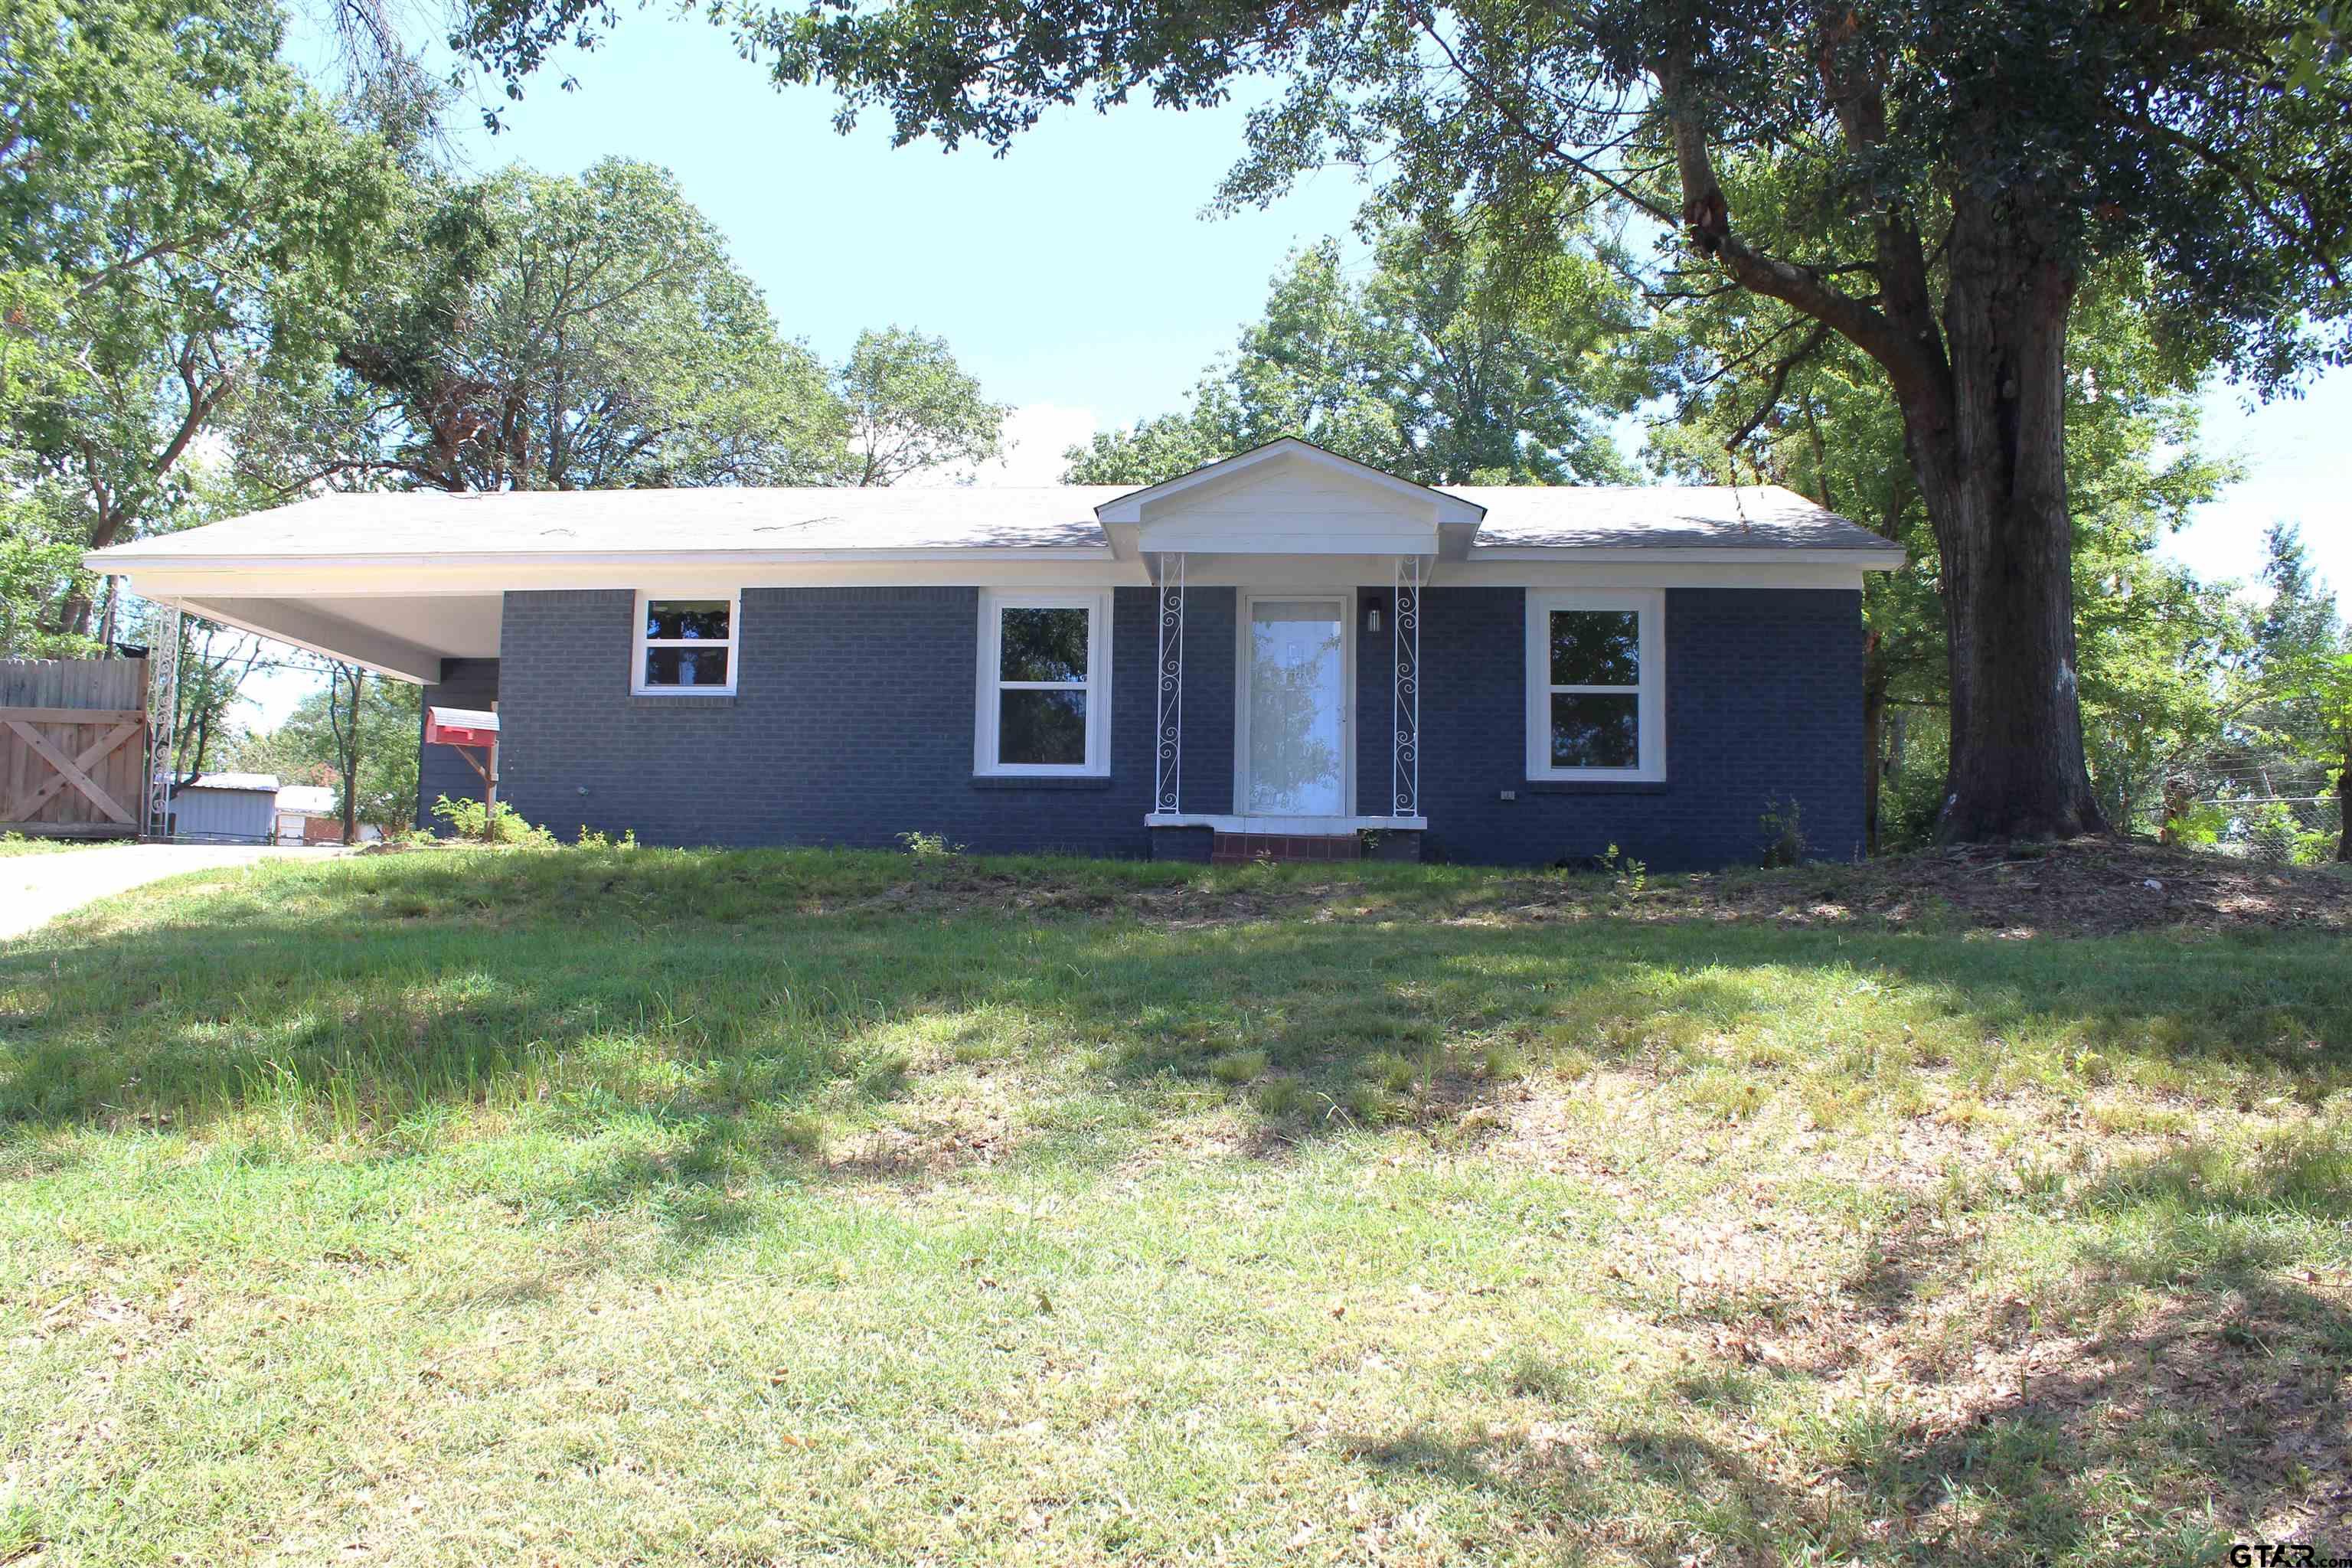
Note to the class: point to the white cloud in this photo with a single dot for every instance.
(1035, 437)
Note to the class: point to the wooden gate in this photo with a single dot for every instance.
(72, 747)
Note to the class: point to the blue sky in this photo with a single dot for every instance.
(1075, 271)
(1076, 277)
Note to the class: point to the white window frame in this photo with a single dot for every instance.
(993, 603)
(639, 642)
(1650, 709)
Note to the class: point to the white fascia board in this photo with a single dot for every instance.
(1647, 574)
(1859, 558)
(344, 580)
(114, 561)
(1533, 568)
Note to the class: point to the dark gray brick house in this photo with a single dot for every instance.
(1283, 653)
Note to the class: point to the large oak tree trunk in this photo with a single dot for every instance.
(1992, 469)
(1982, 392)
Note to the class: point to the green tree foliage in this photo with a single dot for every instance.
(184, 221)
(2301, 724)
(215, 663)
(307, 749)
(552, 332)
(1952, 174)
(1447, 364)
(910, 406)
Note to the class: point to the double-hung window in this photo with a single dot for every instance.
(1044, 684)
(1596, 680)
(686, 647)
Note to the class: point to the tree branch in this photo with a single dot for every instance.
(1788, 361)
(1706, 219)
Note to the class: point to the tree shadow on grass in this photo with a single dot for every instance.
(2214, 1419)
(694, 1056)
(326, 1001)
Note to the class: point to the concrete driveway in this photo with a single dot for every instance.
(36, 888)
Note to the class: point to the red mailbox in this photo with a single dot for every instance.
(460, 727)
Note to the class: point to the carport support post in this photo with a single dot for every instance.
(162, 715)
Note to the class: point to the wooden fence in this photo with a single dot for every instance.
(73, 747)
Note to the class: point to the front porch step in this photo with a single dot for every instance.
(1243, 848)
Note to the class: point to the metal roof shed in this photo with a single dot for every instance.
(226, 808)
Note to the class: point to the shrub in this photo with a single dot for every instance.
(504, 824)
(1626, 875)
(1784, 832)
(929, 846)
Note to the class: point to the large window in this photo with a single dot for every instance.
(1595, 676)
(1044, 684)
(685, 645)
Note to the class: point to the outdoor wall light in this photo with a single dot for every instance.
(1372, 614)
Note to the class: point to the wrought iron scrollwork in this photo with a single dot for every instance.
(1166, 794)
(1404, 770)
(163, 715)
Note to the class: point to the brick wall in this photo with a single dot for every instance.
(852, 723)
(465, 683)
(1763, 698)
(1211, 646)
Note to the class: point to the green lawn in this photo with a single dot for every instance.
(647, 1207)
(15, 844)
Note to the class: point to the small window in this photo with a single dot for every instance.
(685, 645)
(1594, 680)
(1045, 683)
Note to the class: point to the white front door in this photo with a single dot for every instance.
(1295, 707)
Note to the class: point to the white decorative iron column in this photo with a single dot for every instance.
(1168, 786)
(163, 715)
(1405, 756)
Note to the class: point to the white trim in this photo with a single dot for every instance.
(132, 560)
(1650, 695)
(1860, 557)
(1245, 599)
(1656, 569)
(1445, 508)
(986, 686)
(1302, 826)
(123, 559)
(639, 643)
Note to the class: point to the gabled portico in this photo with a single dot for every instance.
(1297, 534)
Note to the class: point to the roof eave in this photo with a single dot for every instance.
(1868, 558)
(113, 560)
